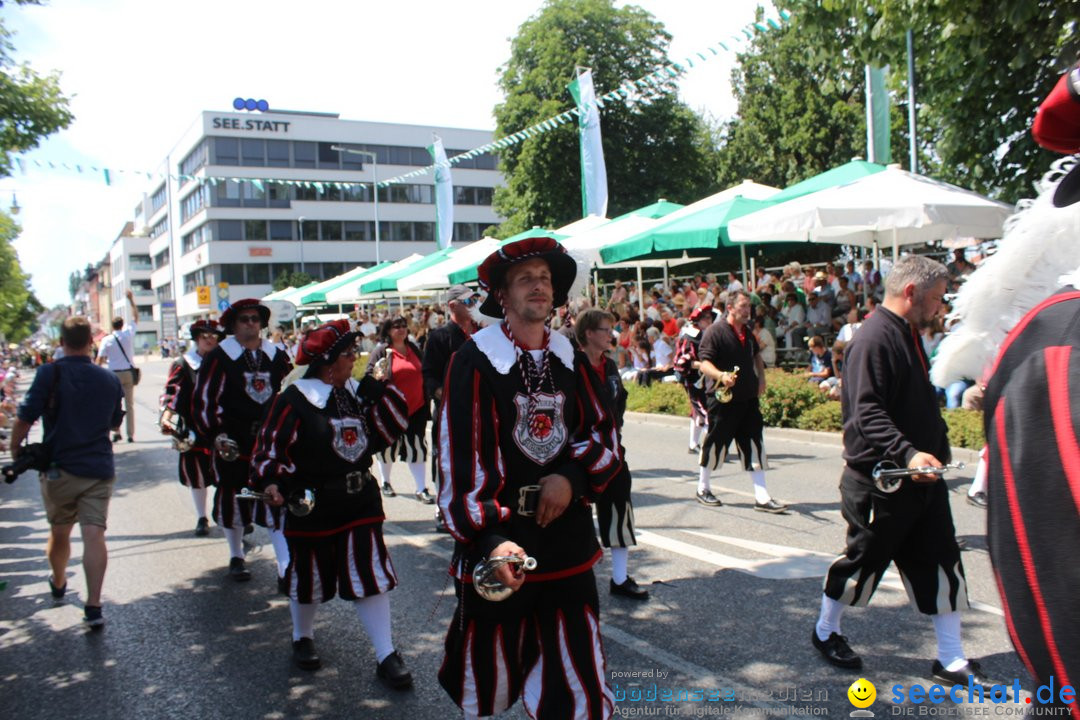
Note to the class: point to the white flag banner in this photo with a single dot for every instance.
(444, 194)
(594, 195)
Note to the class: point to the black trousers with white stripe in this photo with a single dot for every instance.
(738, 420)
(615, 512)
(912, 527)
(542, 644)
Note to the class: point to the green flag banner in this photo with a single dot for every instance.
(877, 116)
(444, 194)
(594, 193)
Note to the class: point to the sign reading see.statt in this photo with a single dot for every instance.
(234, 123)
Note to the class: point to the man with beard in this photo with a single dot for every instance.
(526, 439)
(234, 387)
(443, 342)
(891, 414)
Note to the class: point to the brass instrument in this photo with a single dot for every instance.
(381, 371)
(299, 504)
(888, 475)
(723, 394)
(173, 424)
(226, 448)
(484, 580)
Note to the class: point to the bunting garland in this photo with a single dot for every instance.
(628, 91)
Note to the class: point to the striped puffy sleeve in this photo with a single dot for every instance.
(471, 468)
(271, 461)
(594, 446)
(173, 384)
(386, 411)
(206, 410)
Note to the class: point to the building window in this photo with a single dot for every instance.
(253, 196)
(332, 269)
(196, 159)
(304, 154)
(258, 274)
(424, 232)
(277, 153)
(140, 262)
(330, 229)
(159, 227)
(357, 230)
(232, 274)
(165, 292)
(161, 259)
(309, 230)
(278, 195)
(328, 156)
(255, 230)
(229, 230)
(194, 280)
(195, 238)
(281, 230)
(226, 151)
(306, 193)
(253, 152)
(157, 200)
(192, 203)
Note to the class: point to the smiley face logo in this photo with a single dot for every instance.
(862, 693)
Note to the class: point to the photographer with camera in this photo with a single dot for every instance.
(80, 403)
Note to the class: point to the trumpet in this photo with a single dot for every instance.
(723, 394)
(299, 504)
(888, 475)
(383, 365)
(484, 580)
(174, 425)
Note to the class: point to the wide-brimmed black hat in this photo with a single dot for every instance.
(325, 342)
(492, 272)
(228, 318)
(201, 327)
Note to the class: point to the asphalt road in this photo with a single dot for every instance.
(734, 596)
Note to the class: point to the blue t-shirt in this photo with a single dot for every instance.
(87, 407)
(817, 364)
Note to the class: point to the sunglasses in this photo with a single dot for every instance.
(468, 302)
(248, 318)
(399, 324)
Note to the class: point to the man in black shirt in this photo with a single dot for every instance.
(731, 359)
(443, 342)
(891, 414)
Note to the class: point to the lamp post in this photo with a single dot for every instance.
(300, 220)
(374, 188)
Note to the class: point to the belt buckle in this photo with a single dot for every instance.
(355, 481)
(528, 496)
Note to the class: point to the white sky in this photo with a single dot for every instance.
(139, 72)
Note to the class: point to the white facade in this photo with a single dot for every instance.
(130, 268)
(210, 230)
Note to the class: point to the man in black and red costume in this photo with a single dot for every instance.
(526, 439)
(234, 387)
(195, 470)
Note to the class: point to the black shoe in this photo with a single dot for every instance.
(248, 529)
(393, 673)
(978, 500)
(388, 490)
(959, 677)
(837, 651)
(304, 655)
(131, 439)
(425, 497)
(92, 617)
(694, 450)
(238, 570)
(707, 498)
(629, 589)
(771, 507)
(116, 437)
(202, 528)
(57, 592)
(283, 586)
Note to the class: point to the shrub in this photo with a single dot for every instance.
(965, 428)
(825, 417)
(664, 398)
(787, 397)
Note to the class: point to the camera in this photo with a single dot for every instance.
(34, 456)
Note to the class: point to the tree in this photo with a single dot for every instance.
(287, 279)
(981, 71)
(31, 105)
(654, 146)
(799, 114)
(19, 307)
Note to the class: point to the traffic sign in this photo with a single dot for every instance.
(202, 292)
(222, 305)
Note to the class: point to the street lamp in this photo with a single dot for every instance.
(374, 188)
(301, 221)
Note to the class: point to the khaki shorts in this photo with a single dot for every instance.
(70, 498)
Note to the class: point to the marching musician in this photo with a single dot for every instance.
(235, 383)
(319, 436)
(526, 439)
(176, 420)
(891, 413)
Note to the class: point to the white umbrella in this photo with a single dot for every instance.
(890, 207)
(350, 292)
(438, 276)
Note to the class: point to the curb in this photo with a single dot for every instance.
(966, 455)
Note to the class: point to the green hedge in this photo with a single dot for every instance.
(790, 401)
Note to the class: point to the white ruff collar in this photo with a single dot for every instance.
(502, 353)
(194, 359)
(316, 392)
(234, 349)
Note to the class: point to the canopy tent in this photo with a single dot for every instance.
(349, 291)
(589, 243)
(389, 282)
(291, 294)
(892, 206)
(468, 273)
(437, 276)
(316, 294)
(840, 175)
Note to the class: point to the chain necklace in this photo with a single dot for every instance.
(252, 359)
(346, 402)
(533, 377)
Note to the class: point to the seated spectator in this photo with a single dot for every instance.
(766, 342)
(733, 284)
(793, 321)
(872, 281)
(854, 278)
(818, 314)
(640, 361)
(764, 283)
(824, 291)
(820, 361)
(831, 386)
(958, 269)
(845, 298)
(662, 359)
(854, 318)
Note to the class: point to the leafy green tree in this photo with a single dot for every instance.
(799, 113)
(291, 279)
(981, 71)
(31, 105)
(19, 307)
(654, 146)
